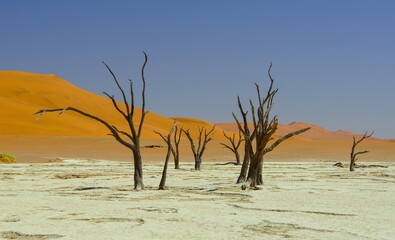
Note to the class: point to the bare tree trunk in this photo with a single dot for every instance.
(176, 155)
(164, 173)
(138, 170)
(162, 184)
(250, 171)
(244, 168)
(260, 177)
(253, 176)
(352, 166)
(198, 162)
(253, 171)
(177, 162)
(237, 158)
(247, 157)
(176, 150)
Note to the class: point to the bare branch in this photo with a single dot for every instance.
(228, 147)
(60, 113)
(113, 131)
(276, 143)
(244, 115)
(259, 94)
(116, 105)
(131, 100)
(40, 114)
(353, 155)
(239, 125)
(271, 79)
(364, 137)
(208, 137)
(169, 149)
(200, 139)
(167, 139)
(143, 111)
(177, 136)
(358, 153)
(234, 145)
(256, 126)
(123, 132)
(119, 87)
(193, 148)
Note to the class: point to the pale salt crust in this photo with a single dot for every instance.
(78, 199)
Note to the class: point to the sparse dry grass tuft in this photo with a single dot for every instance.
(7, 158)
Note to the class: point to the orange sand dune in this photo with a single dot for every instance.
(22, 94)
(73, 136)
(315, 132)
(321, 144)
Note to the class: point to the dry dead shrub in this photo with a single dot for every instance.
(7, 158)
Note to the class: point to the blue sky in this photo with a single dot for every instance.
(333, 60)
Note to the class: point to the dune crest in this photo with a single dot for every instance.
(23, 93)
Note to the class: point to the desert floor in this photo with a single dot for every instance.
(79, 199)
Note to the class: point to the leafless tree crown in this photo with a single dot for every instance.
(353, 154)
(233, 145)
(264, 127)
(203, 139)
(130, 139)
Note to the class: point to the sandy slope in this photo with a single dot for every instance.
(320, 143)
(22, 94)
(94, 200)
(315, 132)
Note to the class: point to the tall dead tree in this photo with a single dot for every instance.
(263, 132)
(233, 146)
(176, 149)
(130, 139)
(246, 160)
(204, 138)
(162, 184)
(353, 155)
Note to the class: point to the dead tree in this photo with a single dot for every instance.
(263, 132)
(203, 139)
(129, 139)
(246, 160)
(162, 184)
(353, 155)
(234, 145)
(176, 150)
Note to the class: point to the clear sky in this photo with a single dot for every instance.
(333, 60)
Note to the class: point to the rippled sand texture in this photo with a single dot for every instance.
(94, 200)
